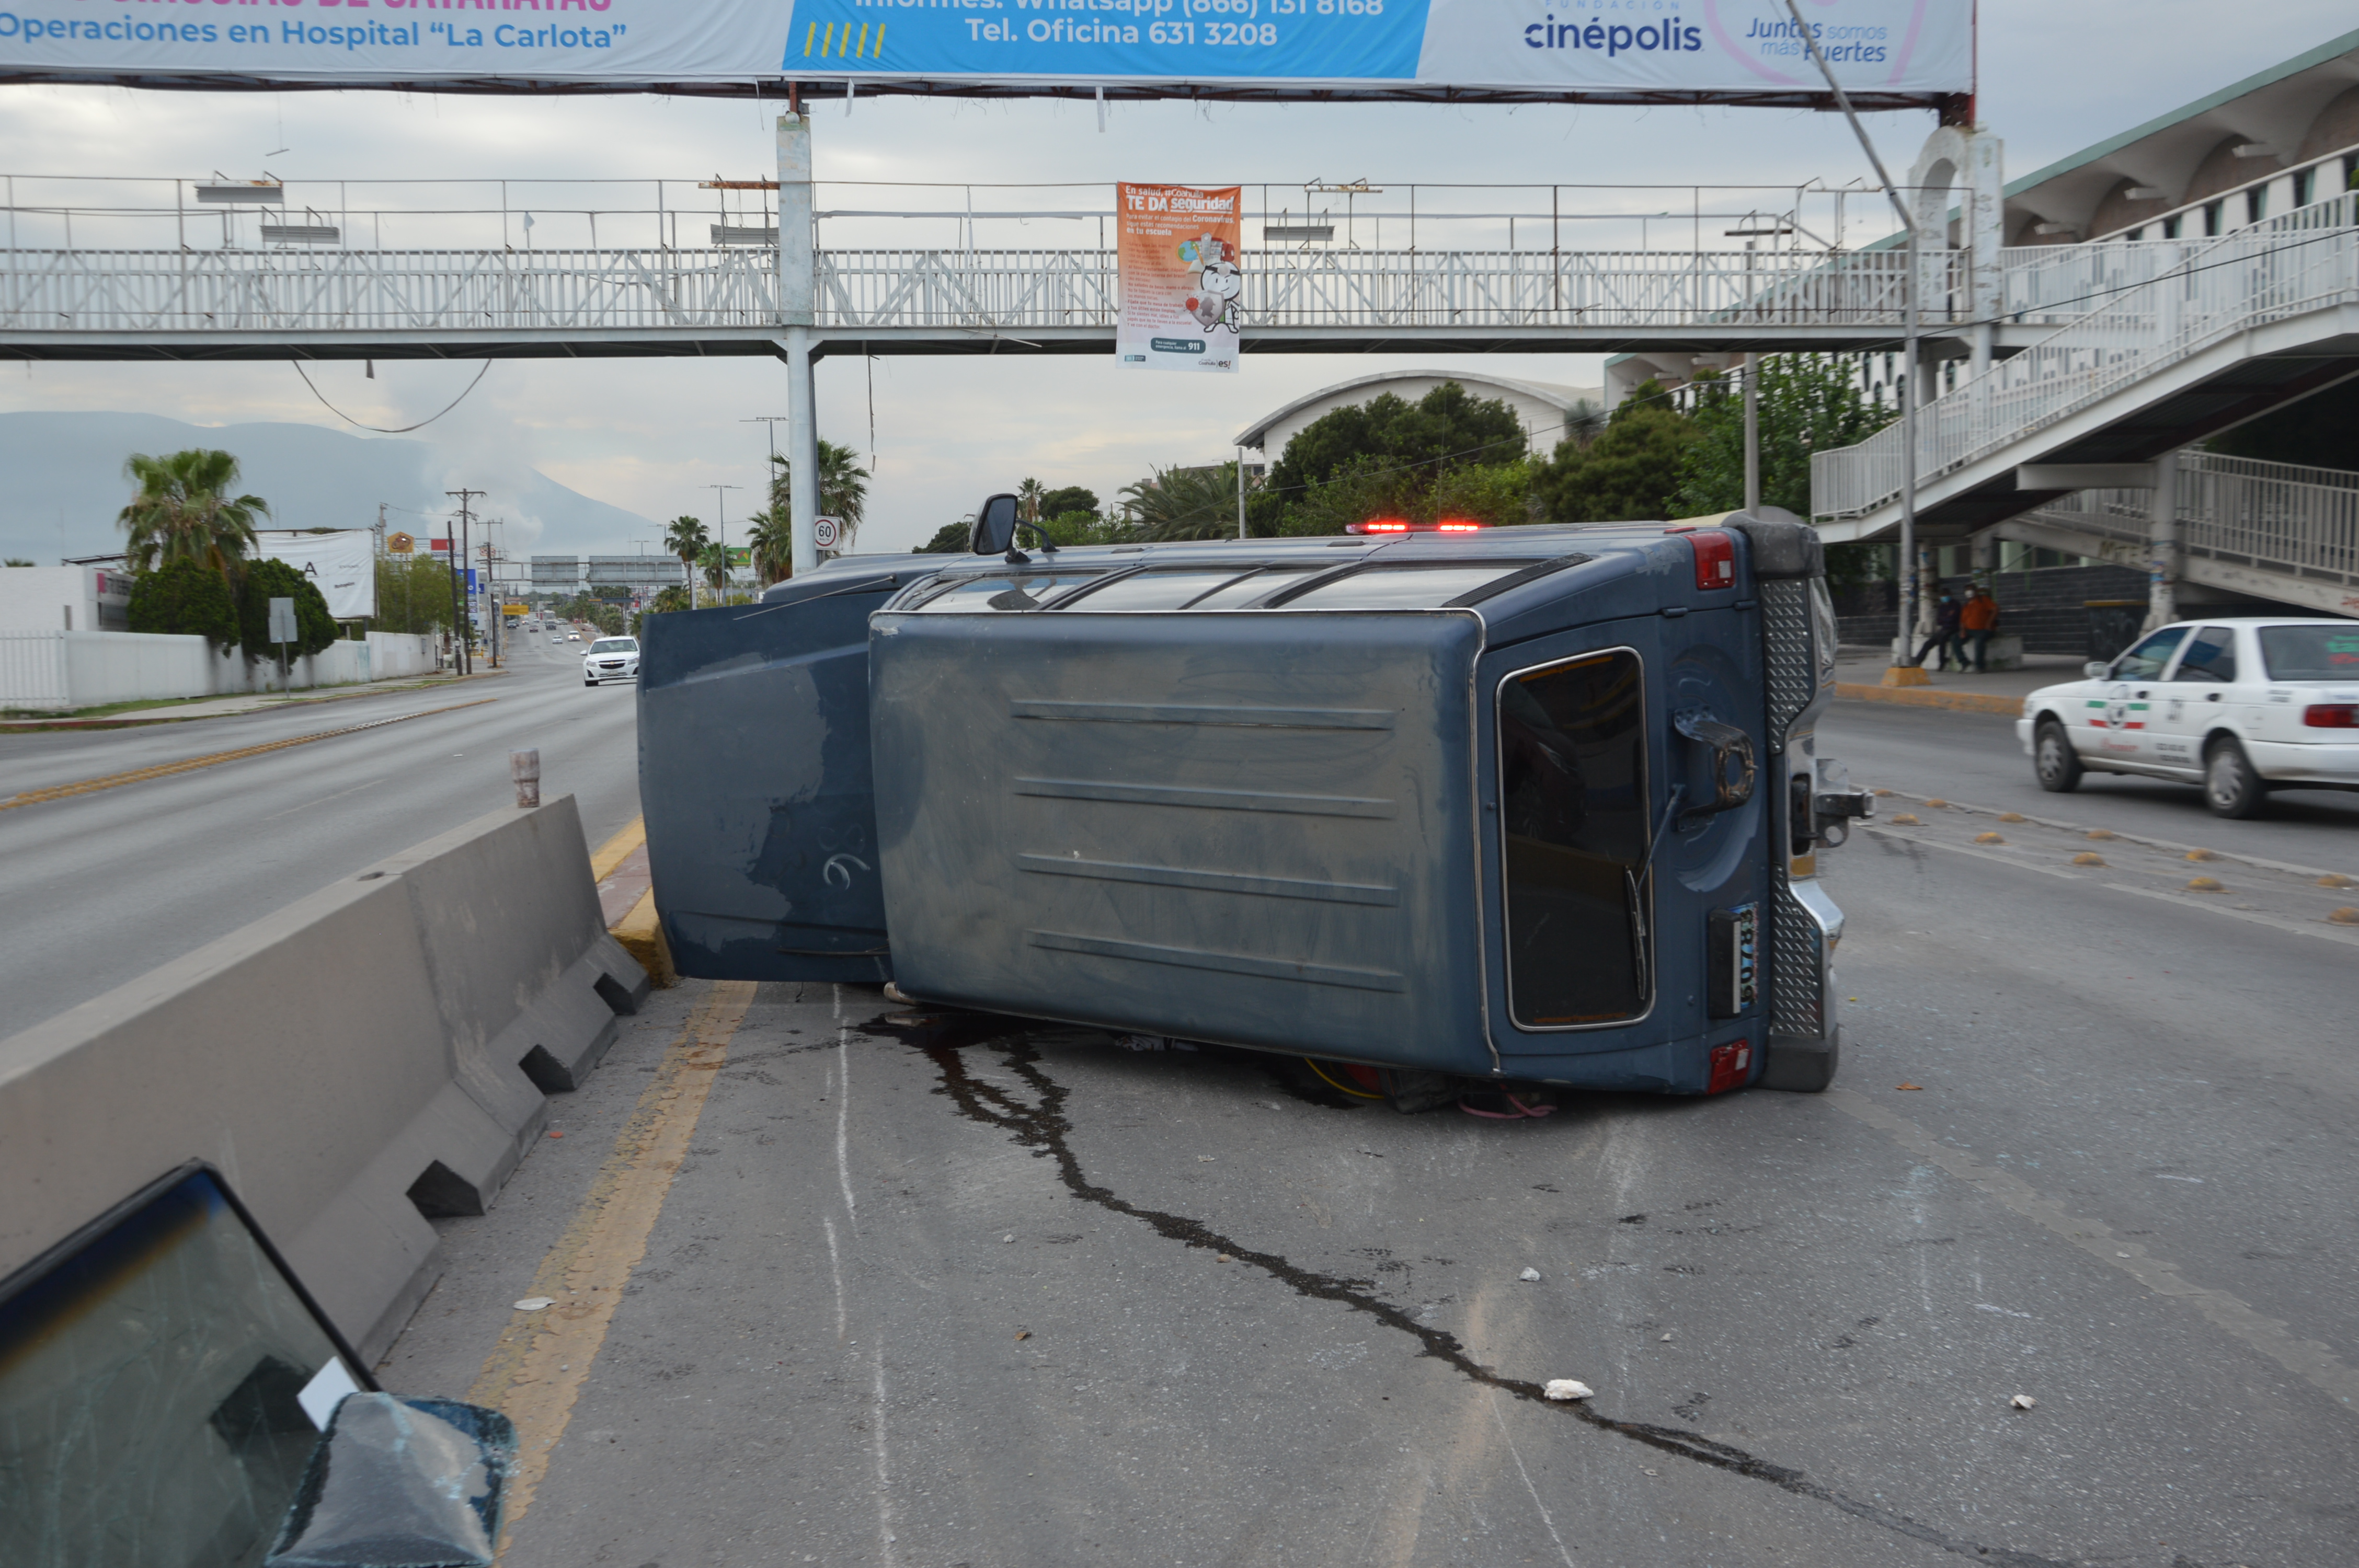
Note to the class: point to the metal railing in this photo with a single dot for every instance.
(337, 290)
(2144, 306)
(2269, 516)
(1291, 289)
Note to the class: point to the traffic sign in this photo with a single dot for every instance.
(825, 531)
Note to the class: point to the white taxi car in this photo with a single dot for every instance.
(611, 658)
(2238, 706)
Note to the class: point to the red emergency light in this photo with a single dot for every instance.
(1399, 526)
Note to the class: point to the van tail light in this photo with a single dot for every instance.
(2332, 716)
(1732, 1066)
(1715, 558)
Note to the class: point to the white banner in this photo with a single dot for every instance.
(1178, 249)
(342, 567)
(1881, 49)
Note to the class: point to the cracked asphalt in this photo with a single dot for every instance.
(923, 1296)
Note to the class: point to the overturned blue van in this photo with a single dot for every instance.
(1533, 804)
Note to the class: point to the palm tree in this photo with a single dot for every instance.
(773, 543)
(843, 489)
(1184, 503)
(713, 561)
(1028, 499)
(686, 538)
(184, 510)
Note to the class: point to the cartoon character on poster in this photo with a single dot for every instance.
(1218, 283)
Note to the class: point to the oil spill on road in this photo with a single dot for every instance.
(1044, 1128)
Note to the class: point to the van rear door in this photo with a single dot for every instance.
(754, 774)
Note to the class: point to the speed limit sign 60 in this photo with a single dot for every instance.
(825, 531)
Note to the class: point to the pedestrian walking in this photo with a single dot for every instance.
(1945, 643)
(1979, 618)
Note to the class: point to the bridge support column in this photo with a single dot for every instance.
(797, 312)
(2162, 544)
(802, 446)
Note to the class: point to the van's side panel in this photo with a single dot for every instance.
(1250, 828)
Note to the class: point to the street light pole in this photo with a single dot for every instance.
(721, 531)
(1903, 656)
(773, 421)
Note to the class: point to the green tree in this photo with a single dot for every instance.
(1070, 498)
(266, 580)
(15, 561)
(674, 597)
(772, 542)
(1028, 499)
(686, 538)
(1080, 527)
(1810, 403)
(413, 594)
(184, 510)
(1445, 428)
(949, 539)
(185, 598)
(1184, 503)
(843, 489)
(712, 563)
(1630, 472)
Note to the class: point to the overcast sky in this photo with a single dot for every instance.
(651, 435)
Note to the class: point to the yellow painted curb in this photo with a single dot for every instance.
(1928, 696)
(641, 934)
(617, 849)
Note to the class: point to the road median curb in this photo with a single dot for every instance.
(1932, 697)
(641, 935)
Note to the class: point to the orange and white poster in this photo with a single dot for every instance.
(1179, 255)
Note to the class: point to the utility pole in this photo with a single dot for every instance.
(458, 579)
(721, 531)
(1903, 656)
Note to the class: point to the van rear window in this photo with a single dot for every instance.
(1402, 586)
(2310, 652)
(1572, 818)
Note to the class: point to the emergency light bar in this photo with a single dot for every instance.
(1399, 526)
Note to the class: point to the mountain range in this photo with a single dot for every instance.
(64, 485)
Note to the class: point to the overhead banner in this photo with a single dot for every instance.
(1178, 249)
(1639, 50)
(342, 565)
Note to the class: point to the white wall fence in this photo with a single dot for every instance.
(58, 671)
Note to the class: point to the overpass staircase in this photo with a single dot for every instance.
(2178, 340)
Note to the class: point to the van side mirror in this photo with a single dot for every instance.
(995, 527)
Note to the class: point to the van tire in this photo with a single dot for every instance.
(2231, 787)
(2053, 760)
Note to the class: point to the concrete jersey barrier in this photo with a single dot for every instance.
(376, 1054)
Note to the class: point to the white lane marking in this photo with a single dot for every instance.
(2307, 1360)
(323, 800)
(884, 1462)
(843, 1125)
(2176, 899)
(835, 1266)
(1561, 1549)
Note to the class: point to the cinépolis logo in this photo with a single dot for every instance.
(1613, 27)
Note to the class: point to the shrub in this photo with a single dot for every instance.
(185, 598)
(266, 580)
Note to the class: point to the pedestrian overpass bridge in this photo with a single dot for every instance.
(2085, 356)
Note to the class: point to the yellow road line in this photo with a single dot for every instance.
(189, 764)
(617, 849)
(536, 1371)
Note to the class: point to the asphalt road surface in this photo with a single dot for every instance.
(102, 887)
(922, 1294)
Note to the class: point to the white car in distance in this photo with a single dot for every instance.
(611, 658)
(2237, 704)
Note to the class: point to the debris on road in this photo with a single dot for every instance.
(1009, 1236)
(1665, 1340)
(2023, 1401)
(1023, 1334)
(1567, 1388)
(1908, 1087)
(534, 1304)
(1529, 1276)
